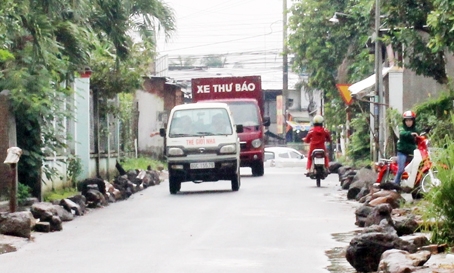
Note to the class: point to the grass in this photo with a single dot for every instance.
(60, 194)
(142, 163)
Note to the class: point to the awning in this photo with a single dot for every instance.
(364, 87)
(299, 115)
(271, 134)
(299, 126)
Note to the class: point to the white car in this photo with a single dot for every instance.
(284, 157)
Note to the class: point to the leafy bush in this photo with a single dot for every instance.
(359, 148)
(23, 192)
(439, 215)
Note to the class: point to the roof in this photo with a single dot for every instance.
(363, 87)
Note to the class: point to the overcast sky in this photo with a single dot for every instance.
(224, 26)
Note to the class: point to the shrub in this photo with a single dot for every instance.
(439, 215)
(23, 192)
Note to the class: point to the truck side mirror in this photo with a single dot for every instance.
(266, 121)
(162, 132)
(239, 128)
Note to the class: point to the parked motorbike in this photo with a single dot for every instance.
(419, 175)
(318, 170)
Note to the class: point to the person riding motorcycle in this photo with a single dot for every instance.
(406, 143)
(316, 137)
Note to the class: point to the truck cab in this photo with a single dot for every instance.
(244, 97)
(246, 112)
(202, 145)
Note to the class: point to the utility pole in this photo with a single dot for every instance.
(378, 108)
(284, 61)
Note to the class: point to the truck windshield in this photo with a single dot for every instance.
(244, 113)
(200, 122)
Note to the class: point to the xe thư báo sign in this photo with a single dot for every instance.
(345, 93)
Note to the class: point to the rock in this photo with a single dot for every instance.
(80, 200)
(420, 241)
(399, 261)
(92, 183)
(42, 227)
(43, 211)
(378, 213)
(405, 225)
(55, 224)
(16, 223)
(386, 196)
(434, 248)
(353, 192)
(95, 198)
(365, 250)
(334, 166)
(71, 206)
(361, 215)
(63, 214)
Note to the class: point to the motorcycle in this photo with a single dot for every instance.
(318, 170)
(419, 175)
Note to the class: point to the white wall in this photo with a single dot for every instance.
(149, 106)
(396, 89)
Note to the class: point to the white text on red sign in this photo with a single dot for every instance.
(227, 87)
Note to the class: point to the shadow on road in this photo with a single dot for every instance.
(203, 192)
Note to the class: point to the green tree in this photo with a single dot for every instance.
(213, 61)
(43, 43)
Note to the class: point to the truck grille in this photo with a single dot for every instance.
(197, 151)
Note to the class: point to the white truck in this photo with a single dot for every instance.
(202, 145)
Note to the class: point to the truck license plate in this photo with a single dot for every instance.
(202, 165)
(319, 161)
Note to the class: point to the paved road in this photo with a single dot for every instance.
(280, 222)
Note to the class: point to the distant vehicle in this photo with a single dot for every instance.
(284, 157)
(244, 97)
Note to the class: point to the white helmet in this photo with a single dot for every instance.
(318, 119)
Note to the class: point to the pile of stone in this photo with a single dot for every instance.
(391, 240)
(94, 192)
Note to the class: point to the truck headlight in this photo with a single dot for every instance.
(256, 143)
(228, 149)
(175, 151)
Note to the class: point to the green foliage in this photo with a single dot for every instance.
(439, 215)
(43, 44)
(359, 148)
(213, 61)
(142, 163)
(435, 114)
(23, 192)
(126, 117)
(321, 48)
(60, 194)
(74, 169)
(423, 46)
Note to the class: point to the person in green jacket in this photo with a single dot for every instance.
(407, 142)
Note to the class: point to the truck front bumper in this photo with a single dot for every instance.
(223, 170)
(250, 158)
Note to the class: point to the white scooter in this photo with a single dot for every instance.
(419, 176)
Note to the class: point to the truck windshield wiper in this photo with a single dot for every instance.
(205, 133)
(180, 135)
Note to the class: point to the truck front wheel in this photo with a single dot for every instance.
(236, 182)
(174, 185)
(258, 169)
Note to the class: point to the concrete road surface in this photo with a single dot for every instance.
(280, 222)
